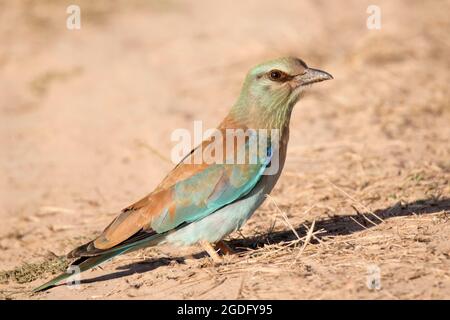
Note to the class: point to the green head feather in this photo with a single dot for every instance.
(270, 91)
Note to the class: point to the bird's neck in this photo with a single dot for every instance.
(252, 115)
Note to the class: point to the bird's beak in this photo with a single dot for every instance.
(313, 75)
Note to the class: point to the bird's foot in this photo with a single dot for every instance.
(224, 248)
(210, 250)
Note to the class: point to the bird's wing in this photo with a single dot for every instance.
(188, 193)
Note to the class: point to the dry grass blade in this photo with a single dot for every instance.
(357, 202)
(283, 214)
(307, 240)
(153, 150)
(215, 285)
(356, 221)
(52, 210)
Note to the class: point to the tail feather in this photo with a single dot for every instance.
(86, 263)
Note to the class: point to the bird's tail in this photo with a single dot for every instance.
(83, 264)
(87, 262)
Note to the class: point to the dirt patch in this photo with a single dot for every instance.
(30, 272)
(361, 210)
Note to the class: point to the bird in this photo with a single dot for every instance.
(201, 201)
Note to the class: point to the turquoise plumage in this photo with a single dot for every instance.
(204, 201)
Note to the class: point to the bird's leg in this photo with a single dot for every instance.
(210, 250)
(224, 247)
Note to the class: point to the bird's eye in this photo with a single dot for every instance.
(277, 75)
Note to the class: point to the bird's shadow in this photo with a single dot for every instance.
(334, 226)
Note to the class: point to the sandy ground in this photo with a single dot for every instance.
(86, 118)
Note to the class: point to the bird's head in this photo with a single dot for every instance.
(282, 79)
(275, 86)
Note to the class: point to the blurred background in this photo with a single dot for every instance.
(86, 117)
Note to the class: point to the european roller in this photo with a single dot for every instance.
(204, 200)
